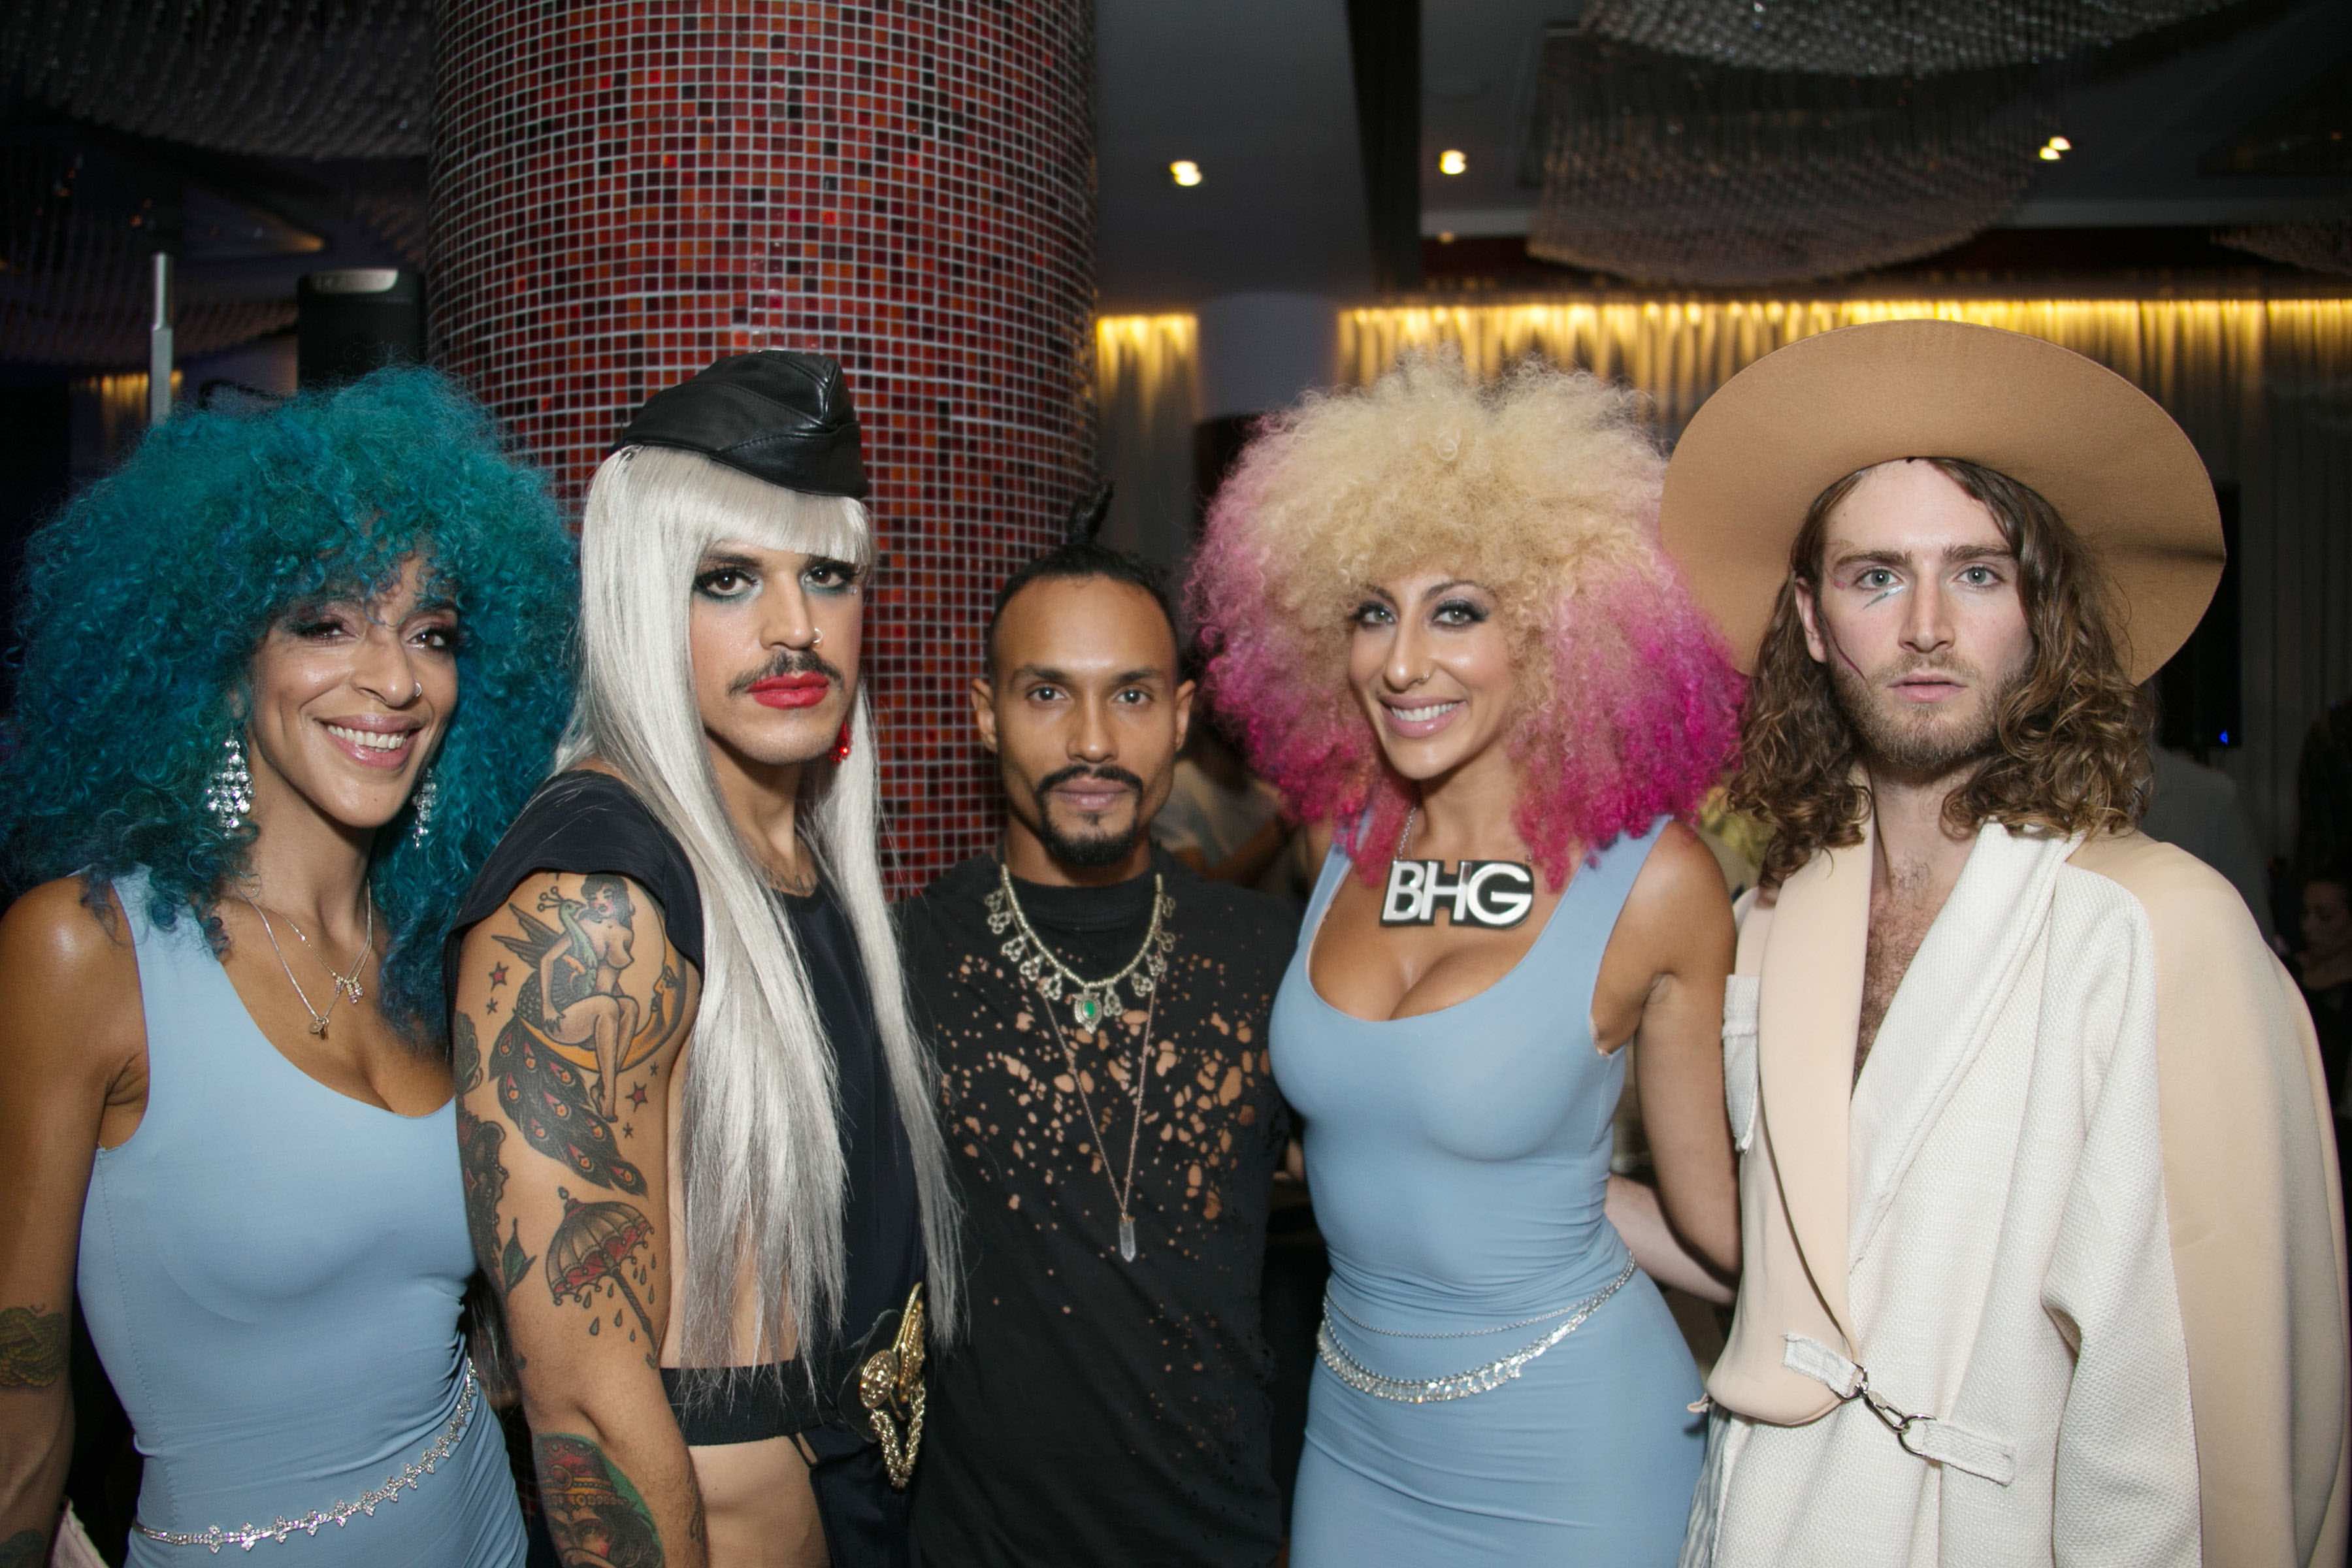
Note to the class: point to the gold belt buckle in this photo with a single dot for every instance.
(890, 1385)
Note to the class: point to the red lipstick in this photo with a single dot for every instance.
(806, 691)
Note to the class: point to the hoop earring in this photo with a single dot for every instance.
(228, 792)
(841, 746)
(428, 795)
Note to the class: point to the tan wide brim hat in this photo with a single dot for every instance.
(2119, 471)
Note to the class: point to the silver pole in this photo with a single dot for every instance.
(159, 343)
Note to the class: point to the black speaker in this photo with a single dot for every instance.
(356, 320)
(2197, 689)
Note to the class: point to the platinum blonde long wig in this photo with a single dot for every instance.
(759, 1158)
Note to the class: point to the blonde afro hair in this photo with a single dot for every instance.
(1543, 489)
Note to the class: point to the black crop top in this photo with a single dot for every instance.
(580, 821)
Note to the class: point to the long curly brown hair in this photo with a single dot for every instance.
(2072, 753)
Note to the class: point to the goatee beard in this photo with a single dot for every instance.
(1918, 753)
(1092, 851)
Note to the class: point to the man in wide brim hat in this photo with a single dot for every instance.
(2043, 1245)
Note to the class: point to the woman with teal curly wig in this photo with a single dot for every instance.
(285, 678)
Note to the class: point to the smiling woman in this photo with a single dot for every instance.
(285, 675)
(1443, 612)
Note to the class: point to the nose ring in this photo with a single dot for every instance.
(816, 636)
(418, 692)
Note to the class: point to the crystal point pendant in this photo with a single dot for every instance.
(1087, 1009)
(1126, 1239)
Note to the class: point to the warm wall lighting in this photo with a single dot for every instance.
(1452, 162)
(2061, 143)
(1445, 237)
(1184, 171)
(2050, 154)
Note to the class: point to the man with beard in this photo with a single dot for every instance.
(2039, 1214)
(1099, 1017)
(695, 1124)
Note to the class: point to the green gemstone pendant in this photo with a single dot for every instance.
(1087, 1009)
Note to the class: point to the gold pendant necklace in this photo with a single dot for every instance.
(347, 986)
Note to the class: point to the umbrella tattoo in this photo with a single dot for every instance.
(597, 1244)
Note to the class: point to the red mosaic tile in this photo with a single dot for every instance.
(626, 190)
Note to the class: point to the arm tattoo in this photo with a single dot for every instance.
(595, 1515)
(573, 1033)
(595, 1249)
(32, 1348)
(478, 1145)
(25, 1549)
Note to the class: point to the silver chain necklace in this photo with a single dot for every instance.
(1122, 1191)
(1092, 1000)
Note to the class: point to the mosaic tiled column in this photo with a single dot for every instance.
(626, 190)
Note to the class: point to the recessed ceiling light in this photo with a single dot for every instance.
(2050, 154)
(1184, 171)
(2061, 143)
(1452, 162)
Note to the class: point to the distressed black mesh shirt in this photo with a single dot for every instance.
(1101, 1411)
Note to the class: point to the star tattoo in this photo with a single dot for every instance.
(490, 1003)
(498, 975)
(637, 1094)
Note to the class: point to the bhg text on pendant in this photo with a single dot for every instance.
(1126, 1239)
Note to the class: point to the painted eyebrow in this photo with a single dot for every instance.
(1448, 586)
(1375, 592)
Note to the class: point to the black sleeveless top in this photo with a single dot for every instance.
(583, 821)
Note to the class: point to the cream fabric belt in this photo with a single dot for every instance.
(1924, 1435)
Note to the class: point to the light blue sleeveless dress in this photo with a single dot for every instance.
(1458, 1161)
(271, 1273)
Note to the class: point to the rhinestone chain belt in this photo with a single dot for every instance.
(212, 1537)
(1460, 1384)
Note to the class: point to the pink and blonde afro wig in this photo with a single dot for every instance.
(1543, 489)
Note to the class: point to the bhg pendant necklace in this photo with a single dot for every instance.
(1495, 895)
(1090, 1000)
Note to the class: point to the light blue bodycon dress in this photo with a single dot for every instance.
(271, 1273)
(1459, 1162)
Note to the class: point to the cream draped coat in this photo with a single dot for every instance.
(2079, 1217)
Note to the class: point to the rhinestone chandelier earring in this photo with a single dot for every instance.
(428, 795)
(229, 793)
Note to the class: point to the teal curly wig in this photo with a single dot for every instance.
(144, 600)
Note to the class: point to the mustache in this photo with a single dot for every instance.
(1052, 781)
(789, 661)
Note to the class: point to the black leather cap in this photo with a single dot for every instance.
(777, 414)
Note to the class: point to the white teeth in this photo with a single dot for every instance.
(1422, 715)
(371, 739)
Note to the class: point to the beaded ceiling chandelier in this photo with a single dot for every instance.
(75, 250)
(311, 79)
(1667, 169)
(2317, 246)
(1882, 37)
